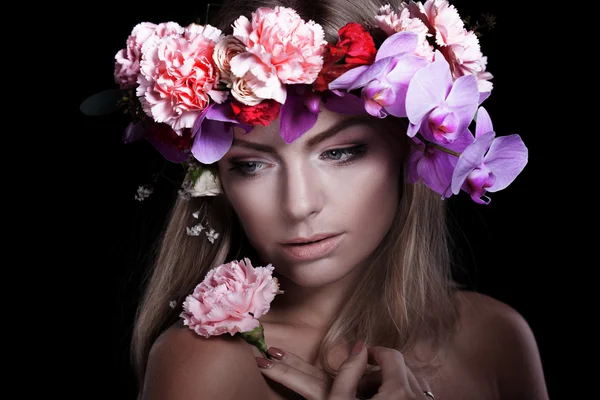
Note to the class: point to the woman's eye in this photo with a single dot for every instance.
(247, 167)
(343, 154)
(334, 154)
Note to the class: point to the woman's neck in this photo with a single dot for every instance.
(310, 307)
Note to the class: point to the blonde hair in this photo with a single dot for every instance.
(410, 268)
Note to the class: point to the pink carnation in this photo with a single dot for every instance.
(230, 299)
(459, 46)
(178, 75)
(127, 60)
(390, 22)
(281, 48)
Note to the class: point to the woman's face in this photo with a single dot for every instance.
(318, 207)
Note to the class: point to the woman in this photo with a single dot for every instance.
(343, 200)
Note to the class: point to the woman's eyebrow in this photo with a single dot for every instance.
(265, 148)
(312, 142)
(334, 130)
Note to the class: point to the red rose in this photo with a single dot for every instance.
(262, 113)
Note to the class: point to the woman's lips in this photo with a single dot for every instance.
(312, 250)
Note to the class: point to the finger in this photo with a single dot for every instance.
(350, 371)
(297, 362)
(414, 383)
(307, 385)
(394, 373)
(426, 388)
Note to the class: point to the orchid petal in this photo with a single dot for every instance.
(435, 170)
(221, 112)
(345, 80)
(295, 118)
(413, 129)
(312, 101)
(375, 109)
(470, 158)
(171, 152)
(484, 122)
(134, 131)
(404, 69)
(200, 119)
(399, 78)
(399, 42)
(483, 96)
(463, 100)
(348, 104)
(212, 141)
(428, 88)
(506, 158)
(374, 71)
(461, 142)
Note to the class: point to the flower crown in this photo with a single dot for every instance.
(186, 88)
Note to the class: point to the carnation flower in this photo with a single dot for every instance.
(231, 299)
(390, 22)
(127, 60)
(281, 48)
(178, 77)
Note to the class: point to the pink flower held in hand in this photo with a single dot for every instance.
(231, 299)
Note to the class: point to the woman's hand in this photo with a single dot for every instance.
(393, 380)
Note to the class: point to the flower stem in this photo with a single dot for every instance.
(437, 146)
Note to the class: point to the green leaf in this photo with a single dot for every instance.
(102, 103)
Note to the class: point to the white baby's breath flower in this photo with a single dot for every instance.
(212, 235)
(194, 230)
(172, 304)
(196, 214)
(143, 192)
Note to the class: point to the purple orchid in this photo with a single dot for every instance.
(299, 112)
(490, 163)
(161, 137)
(385, 82)
(213, 132)
(434, 164)
(438, 107)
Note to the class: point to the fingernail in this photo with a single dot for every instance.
(263, 362)
(357, 347)
(276, 353)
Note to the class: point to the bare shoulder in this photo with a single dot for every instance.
(497, 337)
(183, 365)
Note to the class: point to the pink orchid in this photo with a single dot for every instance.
(386, 81)
(490, 163)
(438, 107)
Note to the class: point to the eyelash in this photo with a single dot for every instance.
(353, 152)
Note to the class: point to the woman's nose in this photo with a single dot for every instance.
(302, 192)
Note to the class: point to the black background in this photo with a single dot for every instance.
(518, 242)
